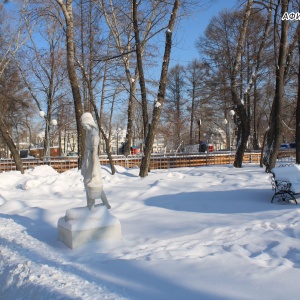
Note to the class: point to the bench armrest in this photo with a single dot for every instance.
(281, 185)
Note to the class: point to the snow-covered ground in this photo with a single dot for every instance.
(189, 233)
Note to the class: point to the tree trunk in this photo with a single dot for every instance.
(103, 90)
(255, 133)
(243, 135)
(106, 140)
(9, 142)
(241, 110)
(262, 148)
(298, 111)
(161, 94)
(89, 83)
(108, 151)
(244, 118)
(130, 119)
(68, 14)
(139, 59)
(275, 131)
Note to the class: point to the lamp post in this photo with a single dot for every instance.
(199, 136)
(231, 113)
(54, 123)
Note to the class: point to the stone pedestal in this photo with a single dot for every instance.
(80, 226)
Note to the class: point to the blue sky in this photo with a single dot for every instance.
(190, 28)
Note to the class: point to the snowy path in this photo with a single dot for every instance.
(27, 264)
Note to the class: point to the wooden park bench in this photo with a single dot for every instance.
(286, 183)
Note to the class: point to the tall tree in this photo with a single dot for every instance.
(132, 25)
(15, 110)
(234, 44)
(67, 10)
(243, 106)
(298, 109)
(196, 73)
(118, 18)
(161, 93)
(175, 105)
(91, 45)
(43, 70)
(274, 134)
(10, 45)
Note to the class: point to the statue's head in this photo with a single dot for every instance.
(87, 119)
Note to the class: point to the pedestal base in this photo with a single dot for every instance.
(81, 226)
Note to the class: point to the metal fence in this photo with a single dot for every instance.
(167, 161)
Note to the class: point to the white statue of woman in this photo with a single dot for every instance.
(91, 168)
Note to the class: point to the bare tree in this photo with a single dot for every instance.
(132, 25)
(196, 76)
(100, 126)
(298, 109)
(175, 109)
(161, 92)
(275, 128)
(15, 109)
(244, 128)
(43, 71)
(117, 15)
(242, 110)
(10, 45)
(91, 45)
(235, 43)
(67, 10)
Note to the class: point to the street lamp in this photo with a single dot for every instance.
(54, 123)
(199, 124)
(231, 113)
